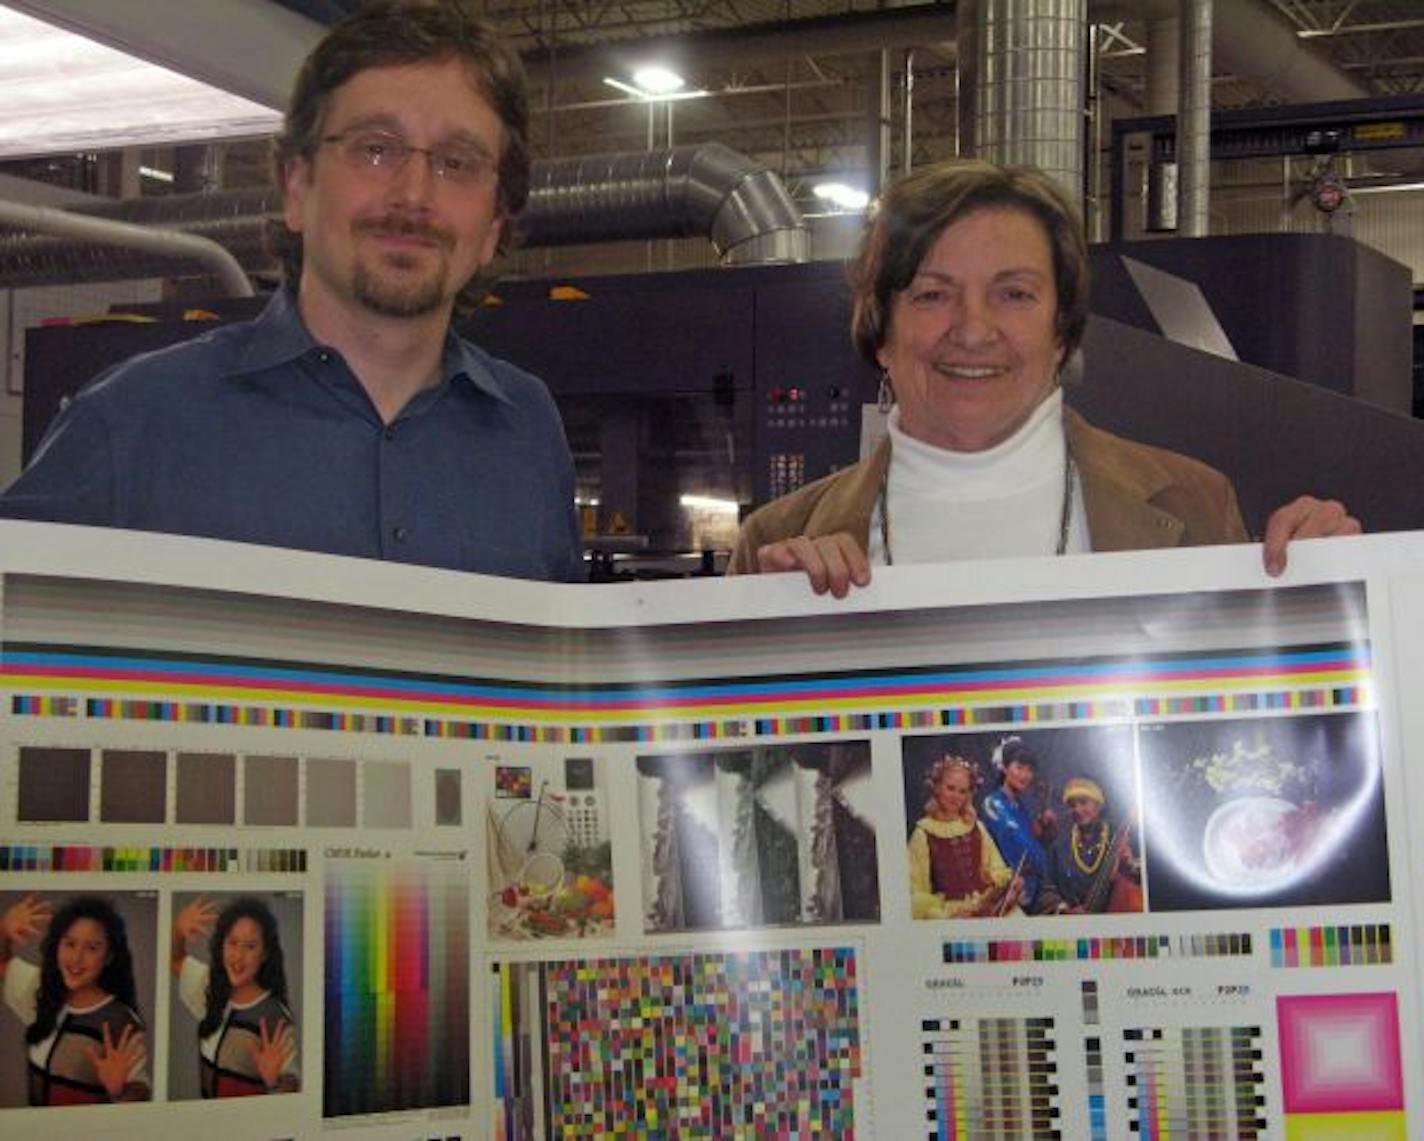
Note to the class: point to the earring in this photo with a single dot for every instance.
(887, 394)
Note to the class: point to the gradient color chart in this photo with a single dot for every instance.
(1342, 1073)
(1195, 1082)
(990, 1079)
(397, 986)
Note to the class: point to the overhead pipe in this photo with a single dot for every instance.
(1021, 69)
(740, 205)
(1194, 119)
(172, 245)
(711, 190)
(1254, 42)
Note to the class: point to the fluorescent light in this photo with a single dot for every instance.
(61, 93)
(656, 80)
(841, 196)
(655, 84)
(1389, 188)
(709, 503)
(154, 173)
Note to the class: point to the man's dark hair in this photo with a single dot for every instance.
(397, 33)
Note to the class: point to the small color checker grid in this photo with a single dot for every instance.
(1352, 945)
(96, 858)
(1195, 1082)
(1093, 1052)
(1214, 945)
(990, 1079)
(746, 1045)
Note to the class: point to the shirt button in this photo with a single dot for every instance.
(390, 433)
(324, 357)
(398, 534)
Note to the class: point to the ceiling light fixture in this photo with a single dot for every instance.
(841, 196)
(709, 503)
(61, 93)
(656, 84)
(658, 80)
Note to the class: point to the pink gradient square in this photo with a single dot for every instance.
(1340, 1053)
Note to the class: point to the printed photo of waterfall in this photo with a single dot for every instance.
(776, 835)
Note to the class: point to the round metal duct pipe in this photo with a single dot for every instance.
(740, 205)
(1021, 72)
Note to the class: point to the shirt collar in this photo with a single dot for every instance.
(279, 337)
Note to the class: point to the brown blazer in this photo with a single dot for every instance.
(1138, 497)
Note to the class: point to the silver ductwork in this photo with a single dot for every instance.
(1021, 75)
(233, 219)
(1194, 120)
(1254, 42)
(738, 204)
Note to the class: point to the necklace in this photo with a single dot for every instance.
(1065, 520)
(1088, 854)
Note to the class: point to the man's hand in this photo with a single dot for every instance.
(831, 562)
(1303, 518)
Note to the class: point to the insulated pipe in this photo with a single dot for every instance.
(1021, 84)
(1194, 120)
(170, 244)
(1164, 65)
(1256, 43)
(740, 205)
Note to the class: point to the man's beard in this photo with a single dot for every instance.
(386, 294)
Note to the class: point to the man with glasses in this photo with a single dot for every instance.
(348, 417)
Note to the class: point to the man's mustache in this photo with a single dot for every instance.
(396, 225)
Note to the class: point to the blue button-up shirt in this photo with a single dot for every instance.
(255, 432)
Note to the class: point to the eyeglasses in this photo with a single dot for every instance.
(383, 153)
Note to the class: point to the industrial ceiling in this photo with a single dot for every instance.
(800, 84)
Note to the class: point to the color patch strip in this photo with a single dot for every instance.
(1195, 1082)
(990, 1078)
(1316, 677)
(44, 705)
(1093, 1054)
(658, 731)
(1085, 949)
(1343, 945)
(96, 858)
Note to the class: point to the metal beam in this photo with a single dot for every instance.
(851, 34)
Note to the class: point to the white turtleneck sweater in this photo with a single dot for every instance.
(1002, 502)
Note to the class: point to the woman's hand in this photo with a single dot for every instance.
(194, 920)
(272, 1053)
(831, 562)
(116, 1062)
(1303, 518)
(22, 922)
